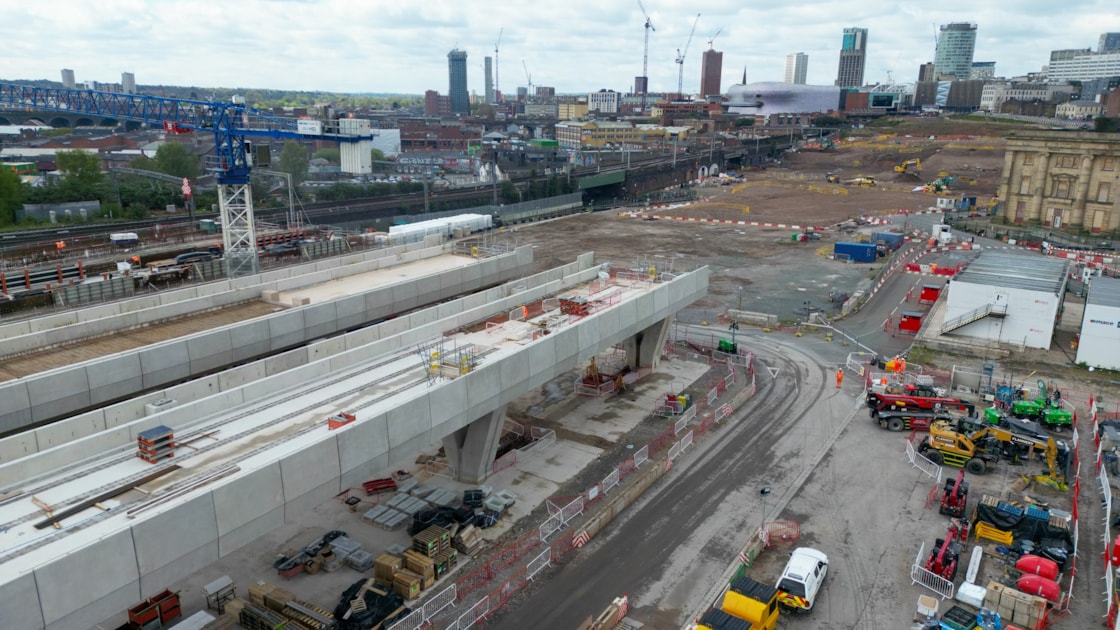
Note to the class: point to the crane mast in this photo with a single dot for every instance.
(645, 55)
(680, 59)
(232, 125)
(497, 88)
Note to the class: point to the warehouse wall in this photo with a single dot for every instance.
(1099, 345)
(160, 547)
(1030, 321)
(63, 391)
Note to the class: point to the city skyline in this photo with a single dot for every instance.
(398, 47)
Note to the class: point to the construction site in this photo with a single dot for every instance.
(660, 429)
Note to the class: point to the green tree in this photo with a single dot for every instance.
(294, 161)
(745, 122)
(330, 154)
(377, 155)
(11, 191)
(507, 192)
(827, 121)
(174, 159)
(79, 168)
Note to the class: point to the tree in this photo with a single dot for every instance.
(827, 121)
(330, 154)
(377, 155)
(10, 193)
(745, 122)
(79, 168)
(1106, 125)
(174, 159)
(293, 161)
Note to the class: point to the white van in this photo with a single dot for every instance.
(802, 579)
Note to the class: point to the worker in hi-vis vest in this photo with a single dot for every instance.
(839, 378)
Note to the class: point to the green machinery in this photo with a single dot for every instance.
(1046, 408)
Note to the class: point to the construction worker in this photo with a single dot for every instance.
(839, 377)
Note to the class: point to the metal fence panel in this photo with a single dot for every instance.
(412, 621)
(550, 525)
(641, 456)
(610, 481)
(922, 463)
(442, 600)
(674, 450)
(572, 510)
(723, 412)
(474, 613)
(538, 564)
(686, 441)
(920, 576)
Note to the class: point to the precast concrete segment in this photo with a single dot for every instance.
(111, 562)
(67, 390)
(359, 345)
(101, 319)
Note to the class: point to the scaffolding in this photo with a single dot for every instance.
(445, 359)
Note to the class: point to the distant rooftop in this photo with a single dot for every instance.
(1016, 271)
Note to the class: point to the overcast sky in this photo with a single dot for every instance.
(401, 46)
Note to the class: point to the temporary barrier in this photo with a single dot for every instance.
(412, 621)
(538, 564)
(550, 525)
(723, 412)
(611, 480)
(683, 421)
(474, 614)
(641, 456)
(779, 532)
(686, 441)
(439, 601)
(572, 510)
(674, 451)
(922, 463)
(928, 579)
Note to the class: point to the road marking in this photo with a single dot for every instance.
(773, 371)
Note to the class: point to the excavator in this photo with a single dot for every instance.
(976, 452)
(861, 180)
(904, 166)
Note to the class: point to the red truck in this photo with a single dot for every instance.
(916, 397)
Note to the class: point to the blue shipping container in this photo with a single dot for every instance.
(857, 252)
(893, 240)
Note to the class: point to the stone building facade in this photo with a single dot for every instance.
(1062, 180)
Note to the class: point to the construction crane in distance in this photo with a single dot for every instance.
(233, 126)
(529, 78)
(645, 55)
(680, 59)
(497, 90)
(713, 38)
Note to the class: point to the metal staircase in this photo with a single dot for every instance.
(975, 315)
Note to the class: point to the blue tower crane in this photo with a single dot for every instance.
(231, 123)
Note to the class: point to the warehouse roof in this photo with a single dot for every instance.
(1104, 292)
(1016, 271)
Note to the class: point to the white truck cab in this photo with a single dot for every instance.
(802, 579)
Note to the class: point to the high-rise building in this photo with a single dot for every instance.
(1066, 54)
(853, 56)
(1086, 66)
(641, 85)
(490, 80)
(128, 83)
(956, 44)
(711, 67)
(457, 82)
(927, 72)
(796, 66)
(983, 70)
(68, 79)
(1109, 42)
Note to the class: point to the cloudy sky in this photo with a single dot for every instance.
(400, 46)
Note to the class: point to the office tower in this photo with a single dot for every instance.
(128, 83)
(926, 72)
(1109, 42)
(68, 79)
(796, 65)
(983, 70)
(490, 80)
(853, 55)
(641, 84)
(955, 46)
(457, 82)
(711, 67)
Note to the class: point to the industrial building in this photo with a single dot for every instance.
(1099, 343)
(1062, 179)
(1007, 299)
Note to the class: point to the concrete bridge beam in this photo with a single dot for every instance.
(471, 449)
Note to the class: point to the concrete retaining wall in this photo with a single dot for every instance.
(47, 395)
(95, 321)
(84, 587)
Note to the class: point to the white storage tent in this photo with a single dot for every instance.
(1099, 345)
(445, 226)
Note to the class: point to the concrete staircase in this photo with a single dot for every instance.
(975, 315)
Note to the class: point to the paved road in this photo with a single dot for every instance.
(669, 547)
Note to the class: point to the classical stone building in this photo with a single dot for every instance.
(1062, 179)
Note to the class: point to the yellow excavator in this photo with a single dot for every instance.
(976, 452)
(903, 167)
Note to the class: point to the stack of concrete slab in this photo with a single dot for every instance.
(343, 546)
(386, 517)
(407, 503)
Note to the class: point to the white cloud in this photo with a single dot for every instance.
(399, 46)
